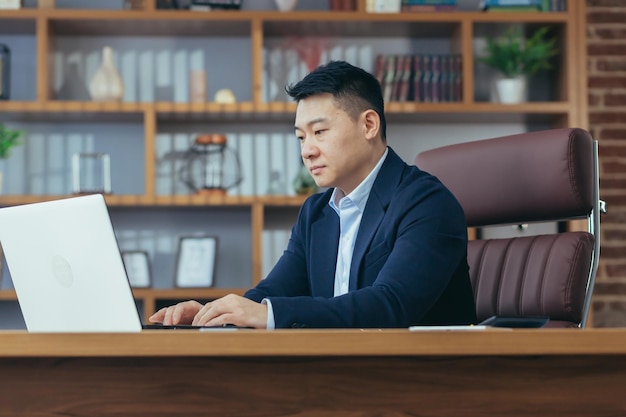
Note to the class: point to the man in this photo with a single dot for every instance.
(385, 246)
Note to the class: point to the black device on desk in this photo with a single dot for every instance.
(528, 322)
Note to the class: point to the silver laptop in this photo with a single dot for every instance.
(66, 267)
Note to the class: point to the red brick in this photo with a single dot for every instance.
(606, 16)
(615, 100)
(603, 48)
(603, 3)
(613, 252)
(596, 117)
(610, 65)
(615, 269)
(608, 313)
(612, 288)
(613, 202)
(607, 82)
(613, 183)
(609, 225)
(613, 166)
(613, 133)
(613, 151)
(614, 235)
(615, 217)
(610, 33)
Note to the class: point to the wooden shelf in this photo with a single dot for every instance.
(260, 28)
(168, 201)
(25, 111)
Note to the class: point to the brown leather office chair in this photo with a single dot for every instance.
(542, 176)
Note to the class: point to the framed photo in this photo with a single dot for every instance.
(195, 262)
(137, 266)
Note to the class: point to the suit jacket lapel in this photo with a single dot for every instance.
(383, 188)
(324, 247)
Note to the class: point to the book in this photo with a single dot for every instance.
(427, 8)
(390, 72)
(512, 5)
(508, 9)
(429, 2)
(397, 78)
(418, 79)
(405, 80)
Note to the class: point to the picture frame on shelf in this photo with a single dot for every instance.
(195, 261)
(137, 265)
(91, 173)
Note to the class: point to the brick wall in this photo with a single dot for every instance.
(606, 48)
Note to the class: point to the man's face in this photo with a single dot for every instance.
(333, 145)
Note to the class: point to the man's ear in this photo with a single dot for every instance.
(371, 124)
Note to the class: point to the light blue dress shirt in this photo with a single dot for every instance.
(350, 209)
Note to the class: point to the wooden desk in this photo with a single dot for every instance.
(315, 373)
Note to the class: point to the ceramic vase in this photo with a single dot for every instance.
(286, 5)
(511, 90)
(106, 84)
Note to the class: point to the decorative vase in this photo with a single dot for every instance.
(511, 90)
(286, 5)
(106, 84)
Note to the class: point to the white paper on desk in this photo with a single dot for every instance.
(449, 328)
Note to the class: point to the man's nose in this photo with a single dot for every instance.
(308, 150)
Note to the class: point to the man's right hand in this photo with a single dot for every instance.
(181, 313)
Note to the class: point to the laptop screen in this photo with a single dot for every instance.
(66, 267)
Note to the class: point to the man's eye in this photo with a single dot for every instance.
(300, 138)
(319, 132)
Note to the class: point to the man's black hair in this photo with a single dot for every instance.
(354, 89)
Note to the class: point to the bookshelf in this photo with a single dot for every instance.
(44, 33)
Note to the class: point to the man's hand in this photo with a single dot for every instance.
(181, 313)
(232, 309)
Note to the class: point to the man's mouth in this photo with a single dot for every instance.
(315, 169)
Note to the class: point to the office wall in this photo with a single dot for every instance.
(606, 48)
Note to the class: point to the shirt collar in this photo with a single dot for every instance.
(361, 193)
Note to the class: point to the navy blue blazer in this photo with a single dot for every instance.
(409, 265)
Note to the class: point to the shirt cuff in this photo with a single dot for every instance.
(271, 323)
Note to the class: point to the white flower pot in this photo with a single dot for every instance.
(286, 5)
(511, 90)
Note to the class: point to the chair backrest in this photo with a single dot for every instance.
(531, 177)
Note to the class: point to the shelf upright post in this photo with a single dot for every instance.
(467, 61)
(46, 4)
(256, 43)
(150, 133)
(44, 61)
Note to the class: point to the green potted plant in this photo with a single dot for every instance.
(516, 57)
(8, 139)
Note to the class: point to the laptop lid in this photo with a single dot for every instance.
(66, 267)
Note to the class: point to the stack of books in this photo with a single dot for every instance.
(428, 6)
(423, 78)
(523, 5)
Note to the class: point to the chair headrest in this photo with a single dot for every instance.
(529, 177)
